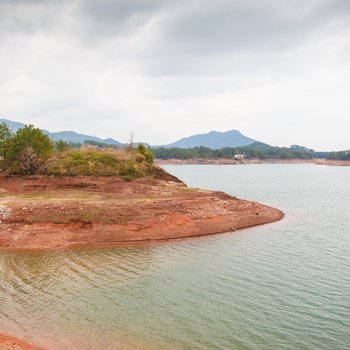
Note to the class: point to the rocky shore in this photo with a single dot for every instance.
(64, 212)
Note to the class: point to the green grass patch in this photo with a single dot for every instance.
(99, 163)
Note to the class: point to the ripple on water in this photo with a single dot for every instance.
(281, 286)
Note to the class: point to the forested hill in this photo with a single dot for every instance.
(211, 145)
(213, 140)
(257, 150)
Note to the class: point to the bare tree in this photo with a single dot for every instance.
(131, 141)
(28, 162)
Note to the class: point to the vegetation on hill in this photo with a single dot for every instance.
(68, 136)
(95, 162)
(341, 155)
(26, 138)
(213, 140)
(24, 152)
(29, 151)
(256, 150)
(5, 135)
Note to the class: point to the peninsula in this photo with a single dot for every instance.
(54, 197)
(62, 212)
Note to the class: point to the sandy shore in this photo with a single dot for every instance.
(332, 162)
(53, 213)
(11, 343)
(253, 161)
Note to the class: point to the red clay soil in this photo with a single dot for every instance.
(52, 213)
(11, 343)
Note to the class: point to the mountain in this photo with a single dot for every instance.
(74, 137)
(68, 136)
(213, 140)
(260, 146)
(14, 126)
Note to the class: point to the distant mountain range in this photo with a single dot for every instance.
(68, 136)
(213, 139)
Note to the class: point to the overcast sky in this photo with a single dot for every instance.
(277, 70)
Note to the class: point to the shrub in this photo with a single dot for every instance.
(144, 151)
(30, 152)
(130, 170)
(61, 146)
(25, 137)
(140, 158)
(28, 162)
(98, 163)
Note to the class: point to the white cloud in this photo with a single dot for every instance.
(280, 74)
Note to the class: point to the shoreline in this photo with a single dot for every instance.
(43, 213)
(8, 342)
(201, 161)
(46, 214)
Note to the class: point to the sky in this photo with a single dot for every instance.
(277, 70)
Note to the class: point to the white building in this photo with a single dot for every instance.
(239, 156)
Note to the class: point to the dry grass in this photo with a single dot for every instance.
(95, 162)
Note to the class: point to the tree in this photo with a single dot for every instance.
(147, 153)
(28, 136)
(130, 145)
(28, 162)
(61, 146)
(5, 136)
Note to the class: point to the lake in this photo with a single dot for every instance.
(279, 286)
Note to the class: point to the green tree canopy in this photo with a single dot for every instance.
(61, 146)
(147, 153)
(5, 135)
(29, 136)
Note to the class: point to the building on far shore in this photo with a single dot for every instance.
(239, 156)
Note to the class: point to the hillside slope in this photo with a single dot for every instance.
(68, 136)
(213, 140)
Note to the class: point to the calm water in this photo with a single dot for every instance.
(279, 286)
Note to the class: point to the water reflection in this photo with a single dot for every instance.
(284, 285)
(41, 290)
